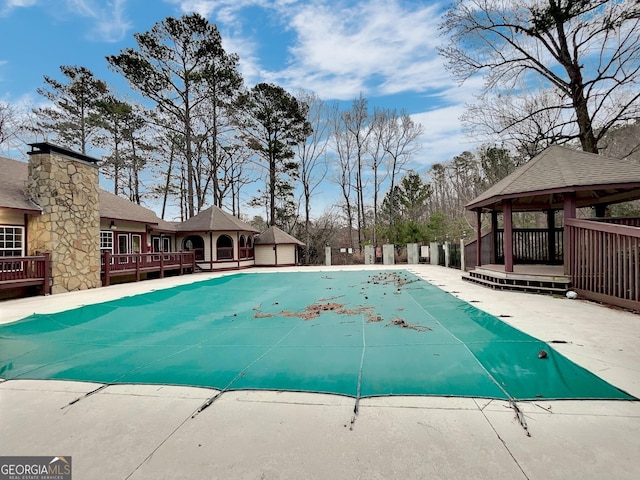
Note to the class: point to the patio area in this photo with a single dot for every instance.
(140, 431)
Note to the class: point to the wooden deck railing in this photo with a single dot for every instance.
(628, 221)
(471, 249)
(16, 272)
(531, 245)
(114, 265)
(604, 261)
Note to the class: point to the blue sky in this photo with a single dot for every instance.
(384, 49)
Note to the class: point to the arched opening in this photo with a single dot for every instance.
(249, 247)
(194, 243)
(242, 249)
(224, 248)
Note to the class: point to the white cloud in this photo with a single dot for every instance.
(118, 26)
(11, 4)
(377, 47)
(203, 7)
(109, 16)
(226, 11)
(245, 48)
(2, 64)
(443, 136)
(111, 22)
(7, 6)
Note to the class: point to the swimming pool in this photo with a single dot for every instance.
(355, 333)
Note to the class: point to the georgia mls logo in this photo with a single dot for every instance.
(35, 468)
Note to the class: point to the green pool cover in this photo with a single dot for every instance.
(357, 333)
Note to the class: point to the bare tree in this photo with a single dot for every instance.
(400, 143)
(8, 123)
(234, 173)
(587, 52)
(356, 123)
(528, 123)
(344, 147)
(377, 153)
(623, 141)
(312, 156)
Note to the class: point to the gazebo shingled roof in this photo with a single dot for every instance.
(214, 219)
(540, 183)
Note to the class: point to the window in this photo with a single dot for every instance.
(106, 241)
(224, 247)
(123, 243)
(194, 243)
(11, 241)
(136, 244)
(161, 244)
(123, 247)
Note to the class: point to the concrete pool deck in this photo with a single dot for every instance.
(144, 431)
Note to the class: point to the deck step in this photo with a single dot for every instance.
(524, 284)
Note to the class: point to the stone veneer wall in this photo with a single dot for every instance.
(69, 228)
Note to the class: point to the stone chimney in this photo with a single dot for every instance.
(64, 184)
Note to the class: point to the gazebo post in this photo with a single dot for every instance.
(508, 236)
(479, 242)
(551, 237)
(569, 212)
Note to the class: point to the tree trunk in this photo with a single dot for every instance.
(272, 191)
(167, 183)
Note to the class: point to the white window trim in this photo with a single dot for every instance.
(19, 228)
(104, 234)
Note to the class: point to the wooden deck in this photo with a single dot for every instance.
(136, 264)
(524, 278)
(19, 272)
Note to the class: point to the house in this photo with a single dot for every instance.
(275, 248)
(60, 232)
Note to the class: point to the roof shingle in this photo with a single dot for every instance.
(561, 169)
(214, 219)
(274, 236)
(13, 186)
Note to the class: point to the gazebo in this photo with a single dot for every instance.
(220, 240)
(597, 256)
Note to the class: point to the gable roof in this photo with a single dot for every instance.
(113, 207)
(13, 186)
(274, 236)
(214, 219)
(595, 179)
